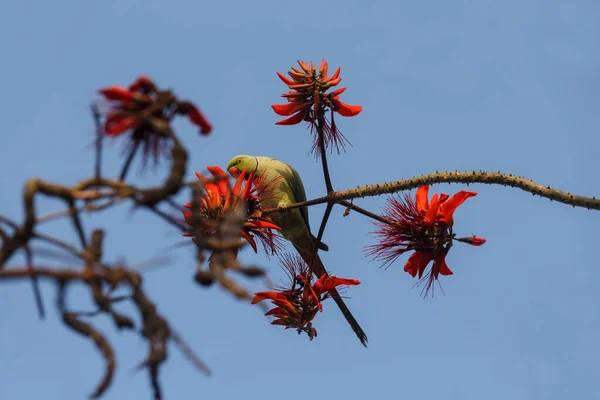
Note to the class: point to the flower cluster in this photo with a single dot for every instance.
(145, 111)
(424, 226)
(219, 198)
(297, 303)
(308, 101)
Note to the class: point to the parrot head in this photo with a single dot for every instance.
(239, 163)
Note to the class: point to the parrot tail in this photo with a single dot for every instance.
(320, 244)
(309, 254)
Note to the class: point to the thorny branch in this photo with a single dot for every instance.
(491, 178)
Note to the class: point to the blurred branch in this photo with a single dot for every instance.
(154, 327)
(102, 279)
(99, 136)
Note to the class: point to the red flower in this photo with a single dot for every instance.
(308, 101)
(220, 198)
(195, 116)
(146, 111)
(424, 226)
(297, 304)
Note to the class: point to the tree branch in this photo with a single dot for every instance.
(468, 177)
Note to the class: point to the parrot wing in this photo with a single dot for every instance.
(300, 195)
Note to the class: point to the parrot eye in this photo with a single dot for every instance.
(239, 160)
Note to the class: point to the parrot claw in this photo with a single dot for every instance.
(283, 209)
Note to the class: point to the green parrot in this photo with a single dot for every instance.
(288, 189)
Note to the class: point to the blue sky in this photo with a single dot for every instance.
(510, 86)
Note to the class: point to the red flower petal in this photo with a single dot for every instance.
(250, 240)
(432, 212)
(217, 172)
(117, 93)
(285, 79)
(290, 108)
(333, 281)
(238, 183)
(118, 125)
(440, 267)
(221, 177)
(260, 296)
(417, 262)
(293, 120)
(277, 311)
(304, 66)
(212, 190)
(323, 69)
(300, 86)
(198, 119)
(289, 95)
(336, 92)
(335, 75)
(201, 177)
(346, 110)
(450, 206)
(263, 224)
(298, 77)
(246, 192)
(422, 199)
(333, 82)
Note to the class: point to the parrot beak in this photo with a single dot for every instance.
(234, 171)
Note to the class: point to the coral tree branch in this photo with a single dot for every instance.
(468, 177)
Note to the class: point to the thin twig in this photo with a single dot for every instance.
(328, 184)
(37, 294)
(324, 220)
(170, 219)
(189, 353)
(365, 212)
(70, 319)
(9, 222)
(99, 136)
(323, 150)
(129, 159)
(87, 208)
(58, 243)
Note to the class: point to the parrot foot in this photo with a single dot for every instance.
(283, 208)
